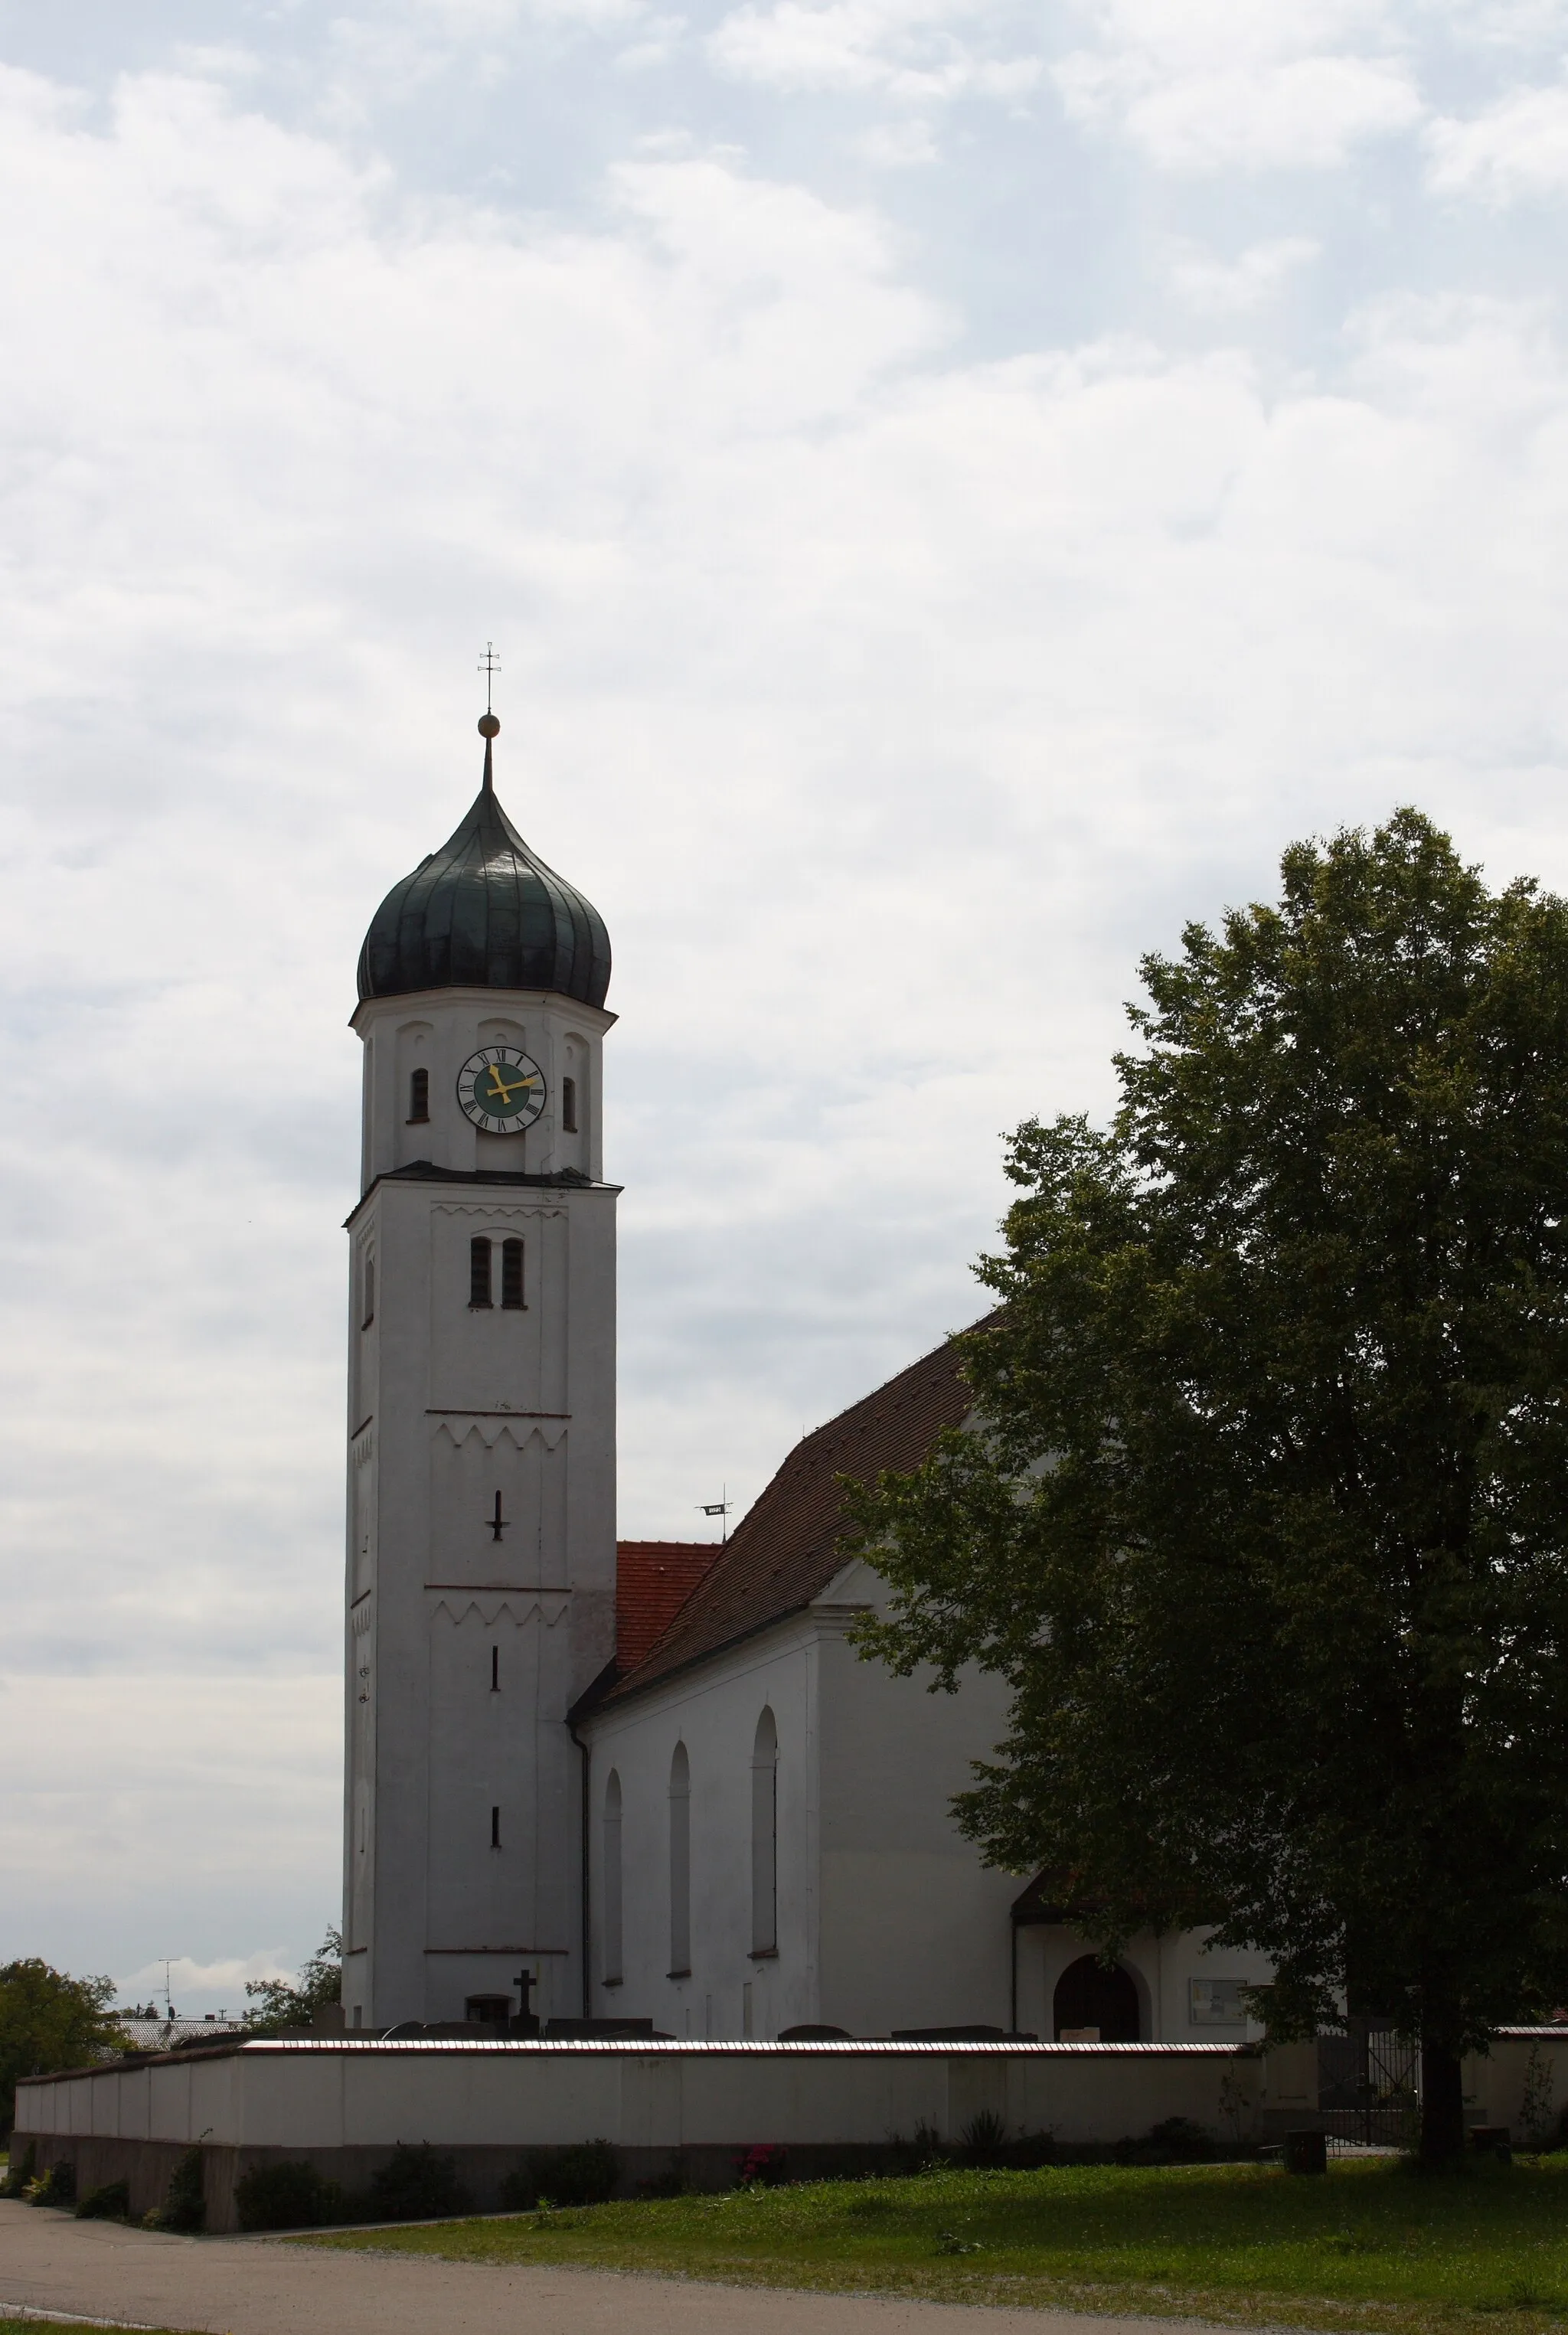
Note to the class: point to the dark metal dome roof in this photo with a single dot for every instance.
(484, 912)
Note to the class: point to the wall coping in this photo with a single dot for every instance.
(634, 2047)
(687, 2047)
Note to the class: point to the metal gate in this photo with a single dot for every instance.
(1370, 2085)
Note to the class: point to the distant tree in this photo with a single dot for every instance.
(318, 1985)
(49, 2020)
(1265, 1519)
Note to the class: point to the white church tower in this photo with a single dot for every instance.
(481, 1455)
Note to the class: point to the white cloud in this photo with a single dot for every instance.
(914, 50)
(660, 39)
(1232, 287)
(903, 144)
(1515, 150)
(1203, 88)
(152, 1813)
(197, 1984)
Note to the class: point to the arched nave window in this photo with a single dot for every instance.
(680, 1863)
(765, 1837)
(612, 1940)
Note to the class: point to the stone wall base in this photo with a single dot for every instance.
(148, 2166)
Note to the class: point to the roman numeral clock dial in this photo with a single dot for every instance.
(501, 1089)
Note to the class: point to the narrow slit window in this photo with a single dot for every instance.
(419, 1097)
(495, 1670)
(479, 1271)
(495, 1827)
(680, 1863)
(613, 1880)
(569, 1106)
(512, 1274)
(765, 1837)
(369, 1314)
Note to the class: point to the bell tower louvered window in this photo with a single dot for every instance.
(419, 1097)
(479, 1271)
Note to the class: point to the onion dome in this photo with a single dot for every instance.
(484, 912)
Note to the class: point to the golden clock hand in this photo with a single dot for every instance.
(499, 1087)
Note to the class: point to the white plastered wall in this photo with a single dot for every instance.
(887, 1917)
(713, 1711)
(465, 1650)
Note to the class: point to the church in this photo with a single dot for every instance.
(634, 1787)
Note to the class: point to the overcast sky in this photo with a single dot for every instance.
(955, 487)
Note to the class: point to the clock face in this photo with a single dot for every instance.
(501, 1089)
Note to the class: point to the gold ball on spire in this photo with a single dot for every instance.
(490, 727)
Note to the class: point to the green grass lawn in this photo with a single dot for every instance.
(1371, 2245)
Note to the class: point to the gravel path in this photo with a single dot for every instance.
(250, 2286)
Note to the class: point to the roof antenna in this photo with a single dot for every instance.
(720, 1509)
(490, 666)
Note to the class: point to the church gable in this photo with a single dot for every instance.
(785, 1550)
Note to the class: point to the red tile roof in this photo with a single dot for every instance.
(785, 1550)
(654, 1579)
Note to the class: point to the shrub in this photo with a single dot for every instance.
(671, 2183)
(415, 2185)
(923, 2154)
(985, 2139)
(1175, 2140)
(19, 2176)
(290, 2195)
(185, 2206)
(111, 2203)
(585, 2175)
(762, 2167)
(56, 2187)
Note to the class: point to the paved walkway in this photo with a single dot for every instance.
(248, 2286)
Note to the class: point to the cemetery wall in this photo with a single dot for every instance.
(685, 2109)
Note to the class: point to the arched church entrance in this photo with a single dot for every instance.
(1089, 1995)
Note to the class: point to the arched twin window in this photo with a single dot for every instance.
(765, 1837)
(481, 1273)
(680, 1863)
(612, 1923)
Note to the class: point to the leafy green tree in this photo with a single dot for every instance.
(50, 2020)
(1265, 1521)
(318, 1985)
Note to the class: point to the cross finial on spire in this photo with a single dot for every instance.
(490, 666)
